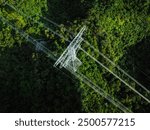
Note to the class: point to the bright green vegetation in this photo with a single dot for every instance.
(120, 29)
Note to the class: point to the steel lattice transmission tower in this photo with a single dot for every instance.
(69, 59)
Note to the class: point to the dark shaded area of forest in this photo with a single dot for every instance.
(66, 11)
(138, 63)
(29, 85)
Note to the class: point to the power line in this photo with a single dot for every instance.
(45, 50)
(29, 17)
(99, 53)
(116, 76)
(48, 28)
(99, 90)
(118, 67)
(69, 60)
(110, 61)
(35, 43)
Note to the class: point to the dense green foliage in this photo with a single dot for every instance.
(120, 29)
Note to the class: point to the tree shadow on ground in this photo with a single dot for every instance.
(29, 83)
(137, 62)
(62, 11)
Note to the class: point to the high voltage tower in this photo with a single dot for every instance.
(71, 62)
(69, 59)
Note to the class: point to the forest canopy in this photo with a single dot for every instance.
(119, 29)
